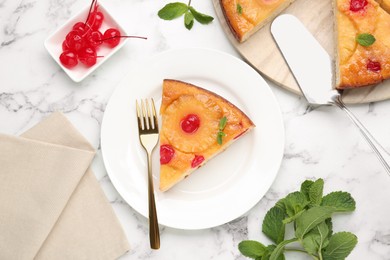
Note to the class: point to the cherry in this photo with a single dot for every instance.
(95, 20)
(190, 123)
(68, 59)
(166, 153)
(112, 37)
(357, 5)
(82, 28)
(75, 41)
(85, 37)
(88, 56)
(197, 161)
(95, 39)
(373, 66)
(65, 46)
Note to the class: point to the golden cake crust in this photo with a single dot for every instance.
(180, 99)
(245, 17)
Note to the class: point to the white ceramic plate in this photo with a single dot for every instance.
(228, 185)
(53, 43)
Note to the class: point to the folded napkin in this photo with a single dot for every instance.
(51, 205)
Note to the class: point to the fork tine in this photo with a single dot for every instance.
(145, 126)
(149, 115)
(138, 115)
(154, 115)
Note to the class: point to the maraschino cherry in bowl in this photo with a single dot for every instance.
(85, 41)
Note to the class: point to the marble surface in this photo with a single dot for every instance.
(320, 143)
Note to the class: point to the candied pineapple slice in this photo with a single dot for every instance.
(204, 136)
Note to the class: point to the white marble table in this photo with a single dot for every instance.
(320, 143)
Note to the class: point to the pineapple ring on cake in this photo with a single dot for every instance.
(187, 116)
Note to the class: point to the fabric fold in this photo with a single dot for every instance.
(51, 205)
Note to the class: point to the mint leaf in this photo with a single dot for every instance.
(305, 187)
(341, 201)
(365, 39)
(311, 218)
(316, 239)
(172, 11)
(340, 246)
(221, 126)
(329, 223)
(202, 18)
(252, 249)
(293, 218)
(188, 20)
(280, 204)
(315, 192)
(273, 226)
(220, 135)
(278, 251)
(268, 253)
(294, 203)
(239, 9)
(222, 123)
(310, 244)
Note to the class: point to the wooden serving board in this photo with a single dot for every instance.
(261, 51)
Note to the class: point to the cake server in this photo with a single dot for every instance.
(312, 68)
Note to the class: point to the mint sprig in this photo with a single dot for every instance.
(174, 10)
(309, 213)
(221, 134)
(365, 39)
(239, 9)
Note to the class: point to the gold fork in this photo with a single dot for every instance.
(148, 136)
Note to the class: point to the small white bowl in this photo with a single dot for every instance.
(53, 43)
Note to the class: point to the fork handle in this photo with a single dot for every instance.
(380, 152)
(154, 233)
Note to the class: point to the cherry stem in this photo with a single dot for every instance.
(89, 29)
(100, 56)
(123, 36)
(89, 12)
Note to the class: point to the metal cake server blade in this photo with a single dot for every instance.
(312, 68)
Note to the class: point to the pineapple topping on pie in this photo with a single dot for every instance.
(363, 43)
(362, 38)
(197, 124)
(245, 17)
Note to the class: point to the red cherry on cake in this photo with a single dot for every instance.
(373, 66)
(357, 5)
(190, 123)
(197, 161)
(68, 59)
(166, 153)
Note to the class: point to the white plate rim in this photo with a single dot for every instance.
(197, 56)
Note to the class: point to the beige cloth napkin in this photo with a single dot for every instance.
(51, 205)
